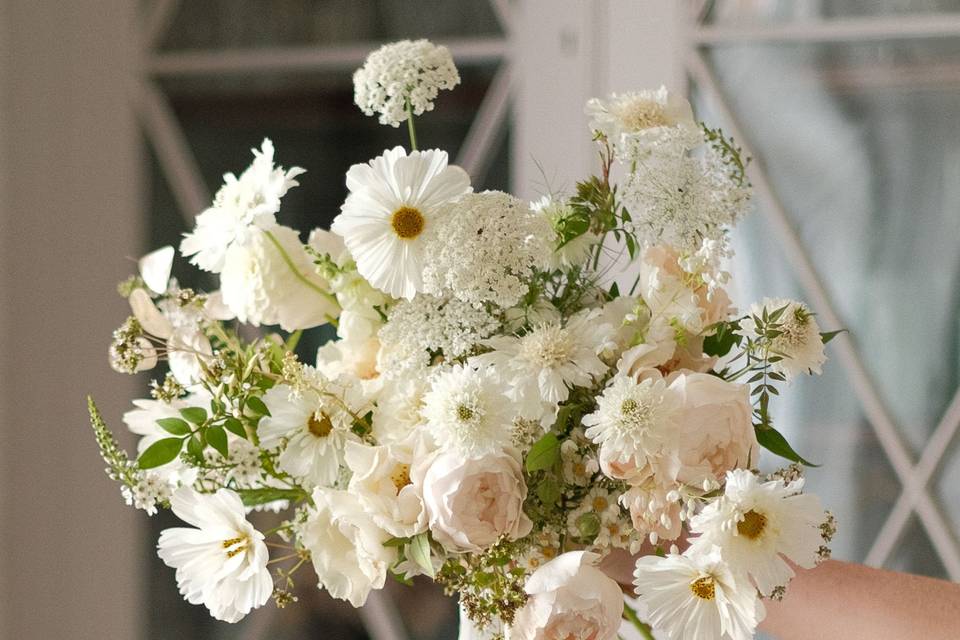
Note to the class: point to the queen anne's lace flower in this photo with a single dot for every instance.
(427, 324)
(485, 249)
(403, 75)
(251, 200)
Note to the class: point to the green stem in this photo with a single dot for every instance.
(631, 616)
(296, 272)
(410, 128)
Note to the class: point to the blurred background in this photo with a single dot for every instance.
(118, 118)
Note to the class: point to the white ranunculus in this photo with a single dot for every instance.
(715, 427)
(346, 546)
(569, 598)
(261, 286)
(222, 563)
(470, 503)
(381, 480)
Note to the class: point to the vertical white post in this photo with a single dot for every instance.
(71, 212)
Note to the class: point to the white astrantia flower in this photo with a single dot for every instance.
(381, 481)
(634, 420)
(696, 597)
(311, 427)
(757, 525)
(465, 411)
(567, 253)
(644, 117)
(402, 76)
(394, 200)
(346, 546)
(799, 343)
(243, 203)
(222, 563)
(485, 249)
(542, 365)
(417, 328)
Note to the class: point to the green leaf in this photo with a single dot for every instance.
(401, 579)
(396, 542)
(548, 491)
(614, 290)
(827, 336)
(235, 427)
(195, 447)
(772, 440)
(217, 438)
(160, 452)
(419, 552)
(293, 340)
(254, 497)
(196, 415)
(256, 405)
(544, 453)
(176, 426)
(722, 340)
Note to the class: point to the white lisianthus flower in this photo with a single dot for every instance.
(646, 117)
(634, 421)
(465, 411)
(270, 279)
(799, 343)
(241, 204)
(697, 597)
(402, 76)
(655, 510)
(394, 199)
(381, 481)
(569, 598)
(758, 524)
(471, 502)
(357, 358)
(542, 365)
(485, 249)
(714, 429)
(222, 563)
(312, 428)
(346, 546)
(566, 253)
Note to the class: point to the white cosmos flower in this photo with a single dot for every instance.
(312, 429)
(252, 200)
(346, 546)
(758, 524)
(799, 342)
(222, 563)
(697, 597)
(542, 365)
(633, 420)
(465, 411)
(393, 200)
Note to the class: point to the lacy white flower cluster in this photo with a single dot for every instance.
(492, 413)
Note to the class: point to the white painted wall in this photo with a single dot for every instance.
(70, 211)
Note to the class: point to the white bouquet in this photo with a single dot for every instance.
(497, 413)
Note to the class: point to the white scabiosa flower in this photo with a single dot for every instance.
(394, 199)
(312, 428)
(799, 342)
(270, 279)
(542, 365)
(252, 200)
(346, 546)
(401, 77)
(697, 597)
(647, 116)
(222, 563)
(633, 420)
(758, 524)
(465, 411)
(569, 598)
(485, 249)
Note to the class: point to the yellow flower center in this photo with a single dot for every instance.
(753, 524)
(400, 476)
(704, 588)
(464, 413)
(407, 222)
(320, 426)
(600, 504)
(641, 114)
(233, 546)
